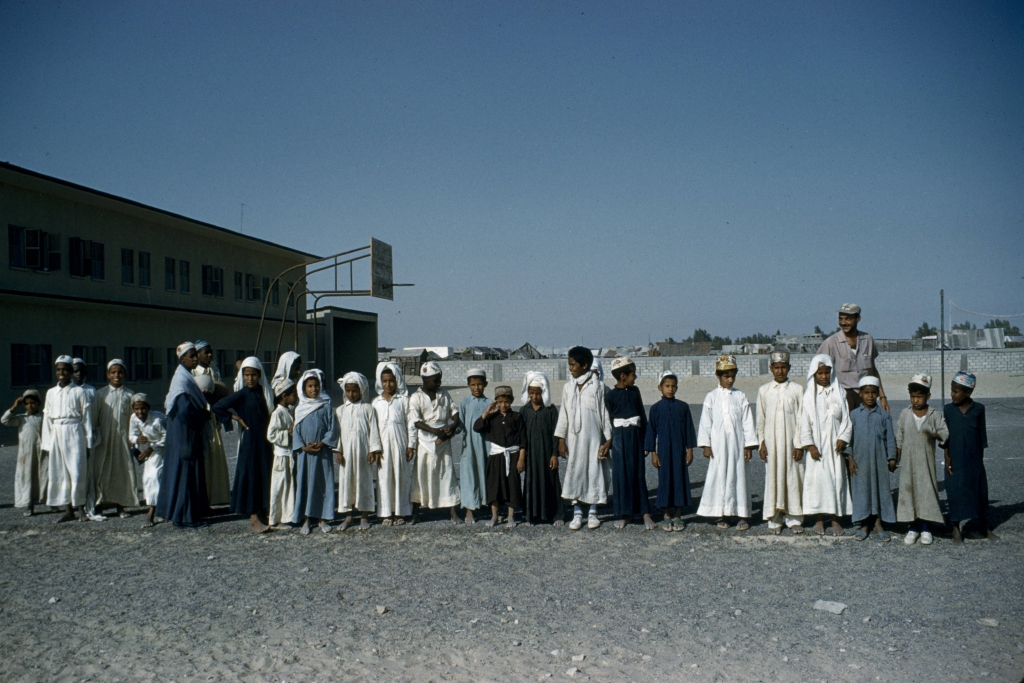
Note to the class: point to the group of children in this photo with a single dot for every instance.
(301, 462)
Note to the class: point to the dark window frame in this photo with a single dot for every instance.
(170, 274)
(127, 266)
(184, 277)
(31, 365)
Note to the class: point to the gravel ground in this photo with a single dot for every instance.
(108, 601)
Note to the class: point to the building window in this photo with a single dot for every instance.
(267, 358)
(31, 364)
(275, 293)
(30, 248)
(141, 364)
(213, 281)
(172, 362)
(252, 288)
(144, 279)
(127, 267)
(95, 358)
(183, 277)
(224, 365)
(169, 273)
(86, 259)
(239, 289)
(266, 287)
(291, 294)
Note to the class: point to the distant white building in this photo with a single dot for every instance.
(439, 351)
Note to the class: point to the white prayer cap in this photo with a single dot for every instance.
(77, 361)
(429, 369)
(282, 385)
(205, 383)
(850, 309)
(65, 359)
(116, 361)
(31, 393)
(780, 355)
(923, 380)
(477, 372)
(535, 382)
(869, 381)
(140, 398)
(621, 362)
(667, 374)
(184, 348)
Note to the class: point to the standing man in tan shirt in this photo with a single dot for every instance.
(853, 352)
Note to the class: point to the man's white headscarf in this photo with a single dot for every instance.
(536, 379)
(284, 365)
(309, 405)
(254, 363)
(397, 372)
(182, 382)
(359, 379)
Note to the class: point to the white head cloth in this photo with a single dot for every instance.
(308, 405)
(477, 372)
(117, 361)
(358, 379)
(869, 381)
(140, 398)
(397, 372)
(254, 363)
(536, 379)
(65, 359)
(184, 348)
(284, 366)
(429, 369)
(282, 385)
(182, 382)
(810, 395)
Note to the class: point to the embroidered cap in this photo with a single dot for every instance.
(429, 369)
(965, 379)
(725, 362)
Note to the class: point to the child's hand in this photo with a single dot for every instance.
(798, 454)
(142, 439)
(554, 463)
(240, 421)
(815, 453)
(376, 457)
(892, 465)
(562, 450)
(521, 465)
(949, 463)
(409, 454)
(20, 401)
(602, 452)
(840, 445)
(707, 452)
(310, 448)
(339, 458)
(763, 451)
(851, 465)
(747, 454)
(491, 409)
(655, 460)
(689, 457)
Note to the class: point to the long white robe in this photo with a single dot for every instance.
(395, 473)
(218, 480)
(778, 428)
(434, 483)
(826, 486)
(115, 480)
(155, 431)
(31, 472)
(359, 437)
(727, 426)
(584, 423)
(282, 477)
(67, 433)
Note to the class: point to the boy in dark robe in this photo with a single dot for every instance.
(506, 459)
(629, 429)
(966, 481)
(541, 499)
(670, 440)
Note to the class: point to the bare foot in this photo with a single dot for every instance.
(149, 519)
(83, 516)
(493, 521)
(148, 523)
(454, 516)
(364, 523)
(325, 526)
(256, 525)
(958, 538)
(776, 530)
(470, 519)
(990, 536)
(649, 523)
(511, 524)
(346, 523)
(558, 522)
(305, 528)
(797, 529)
(837, 529)
(620, 523)
(819, 528)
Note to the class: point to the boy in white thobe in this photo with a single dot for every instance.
(584, 432)
(113, 468)
(279, 434)
(147, 432)
(778, 433)
(727, 436)
(394, 476)
(433, 420)
(30, 474)
(358, 451)
(67, 432)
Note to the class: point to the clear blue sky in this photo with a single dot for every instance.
(551, 172)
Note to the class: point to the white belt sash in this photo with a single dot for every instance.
(626, 421)
(495, 449)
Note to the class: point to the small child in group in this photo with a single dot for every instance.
(779, 404)
(433, 421)
(30, 473)
(584, 433)
(966, 480)
(473, 466)
(395, 472)
(111, 464)
(629, 431)
(506, 440)
(358, 451)
(279, 434)
(824, 433)
(919, 428)
(541, 488)
(147, 432)
(727, 436)
(67, 434)
(314, 431)
(872, 458)
(670, 441)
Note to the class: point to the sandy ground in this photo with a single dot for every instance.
(108, 601)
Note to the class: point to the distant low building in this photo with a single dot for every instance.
(800, 343)
(409, 361)
(686, 348)
(481, 353)
(526, 352)
(439, 351)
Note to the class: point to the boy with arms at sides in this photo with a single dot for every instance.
(779, 405)
(670, 441)
(966, 480)
(727, 436)
(824, 433)
(279, 434)
(506, 440)
(919, 428)
(473, 467)
(584, 432)
(147, 433)
(218, 482)
(80, 376)
(314, 431)
(31, 472)
(872, 458)
(629, 431)
(433, 421)
(67, 432)
(112, 466)
(358, 451)
(542, 501)
(394, 477)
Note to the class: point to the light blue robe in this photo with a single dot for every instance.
(473, 466)
(315, 488)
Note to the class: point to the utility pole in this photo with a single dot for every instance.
(942, 343)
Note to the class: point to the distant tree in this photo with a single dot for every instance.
(965, 326)
(701, 335)
(755, 339)
(925, 330)
(670, 340)
(778, 332)
(997, 323)
(718, 342)
(817, 330)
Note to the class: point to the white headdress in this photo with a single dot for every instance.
(184, 348)
(308, 405)
(284, 366)
(536, 379)
(397, 372)
(355, 378)
(254, 363)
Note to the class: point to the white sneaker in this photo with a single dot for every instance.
(911, 538)
(577, 523)
(927, 538)
(593, 522)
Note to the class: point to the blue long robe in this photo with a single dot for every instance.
(250, 491)
(182, 498)
(473, 463)
(629, 468)
(874, 445)
(669, 433)
(315, 489)
(967, 487)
